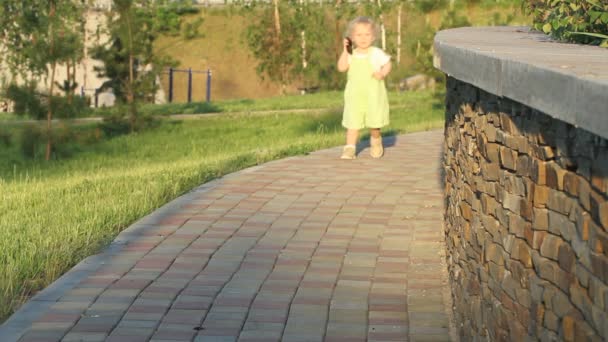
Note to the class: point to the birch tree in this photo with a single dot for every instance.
(270, 40)
(382, 28)
(399, 9)
(291, 43)
(303, 35)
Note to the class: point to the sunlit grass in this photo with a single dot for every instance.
(330, 99)
(54, 214)
(321, 100)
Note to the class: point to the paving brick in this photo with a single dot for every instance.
(354, 331)
(144, 316)
(42, 336)
(84, 337)
(130, 334)
(180, 316)
(388, 332)
(268, 316)
(348, 316)
(59, 317)
(388, 317)
(174, 333)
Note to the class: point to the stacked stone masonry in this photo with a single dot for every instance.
(526, 221)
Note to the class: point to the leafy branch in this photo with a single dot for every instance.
(579, 21)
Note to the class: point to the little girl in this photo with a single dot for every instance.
(365, 98)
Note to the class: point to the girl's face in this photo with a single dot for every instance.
(362, 35)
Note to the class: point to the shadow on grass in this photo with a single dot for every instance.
(437, 105)
(324, 123)
(182, 108)
(438, 100)
(248, 102)
(161, 109)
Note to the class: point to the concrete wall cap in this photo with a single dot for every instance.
(566, 81)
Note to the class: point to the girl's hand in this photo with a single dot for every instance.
(379, 75)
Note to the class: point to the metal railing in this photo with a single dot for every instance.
(190, 72)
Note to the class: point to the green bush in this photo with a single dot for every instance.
(32, 140)
(119, 122)
(5, 137)
(64, 108)
(115, 124)
(168, 15)
(426, 6)
(190, 29)
(423, 50)
(579, 21)
(27, 101)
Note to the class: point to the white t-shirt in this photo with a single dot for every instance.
(378, 57)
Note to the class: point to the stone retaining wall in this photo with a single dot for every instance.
(526, 220)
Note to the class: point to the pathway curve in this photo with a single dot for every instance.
(309, 248)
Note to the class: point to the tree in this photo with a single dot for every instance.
(452, 17)
(317, 58)
(128, 56)
(290, 41)
(343, 12)
(272, 40)
(39, 35)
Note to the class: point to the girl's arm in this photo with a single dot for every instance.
(381, 74)
(343, 60)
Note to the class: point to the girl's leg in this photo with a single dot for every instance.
(350, 149)
(376, 149)
(351, 136)
(374, 132)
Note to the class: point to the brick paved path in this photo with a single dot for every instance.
(303, 249)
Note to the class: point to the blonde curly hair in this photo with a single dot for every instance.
(365, 21)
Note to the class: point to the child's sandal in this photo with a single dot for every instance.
(349, 152)
(376, 149)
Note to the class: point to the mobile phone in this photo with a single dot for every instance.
(349, 46)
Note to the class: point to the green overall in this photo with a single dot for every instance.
(365, 98)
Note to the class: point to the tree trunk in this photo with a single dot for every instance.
(382, 28)
(73, 78)
(304, 62)
(338, 31)
(68, 83)
(85, 54)
(277, 20)
(277, 43)
(303, 45)
(49, 113)
(399, 34)
(130, 90)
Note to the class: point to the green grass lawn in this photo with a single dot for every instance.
(54, 214)
(329, 99)
(7, 117)
(322, 100)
